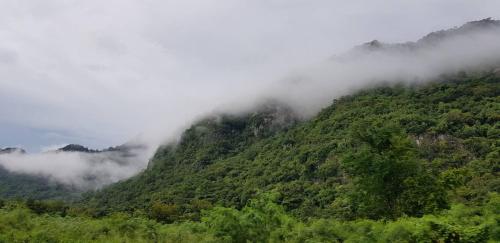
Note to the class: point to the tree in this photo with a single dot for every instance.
(166, 213)
(259, 221)
(387, 174)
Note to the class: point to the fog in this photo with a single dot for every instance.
(80, 170)
(104, 73)
(311, 88)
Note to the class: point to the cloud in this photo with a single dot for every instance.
(103, 72)
(80, 170)
(310, 88)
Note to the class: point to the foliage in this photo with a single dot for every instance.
(388, 177)
(49, 206)
(261, 220)
(167, 213)
(18, 185)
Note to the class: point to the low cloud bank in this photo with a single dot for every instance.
(82, 170)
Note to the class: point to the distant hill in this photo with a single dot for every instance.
(12, 150)
(434, 38)
(39, 186)
(76, 148)
(23, 186)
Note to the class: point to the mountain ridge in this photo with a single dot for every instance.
(433, 38)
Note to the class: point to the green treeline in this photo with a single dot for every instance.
(261, 220)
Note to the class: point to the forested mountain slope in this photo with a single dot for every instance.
(383, 152)
(22, 186)
(17, 185)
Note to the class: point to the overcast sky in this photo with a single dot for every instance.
(100, 72)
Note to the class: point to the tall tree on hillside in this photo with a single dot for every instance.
(389, 179)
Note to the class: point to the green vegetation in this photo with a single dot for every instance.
(388, 178)
(17, 185)
(261, 220)
(405, 163)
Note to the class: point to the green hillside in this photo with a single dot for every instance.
(17, 185)
(383, 152)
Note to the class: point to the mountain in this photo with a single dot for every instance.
(19, 185)
(229, 159)
(466, 29)
(433, 38)
(22, 185)
(76, 148)
(39, 185)
(450, 129)
(12, 150)
(124, 149)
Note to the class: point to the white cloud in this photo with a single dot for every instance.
(81, 170)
